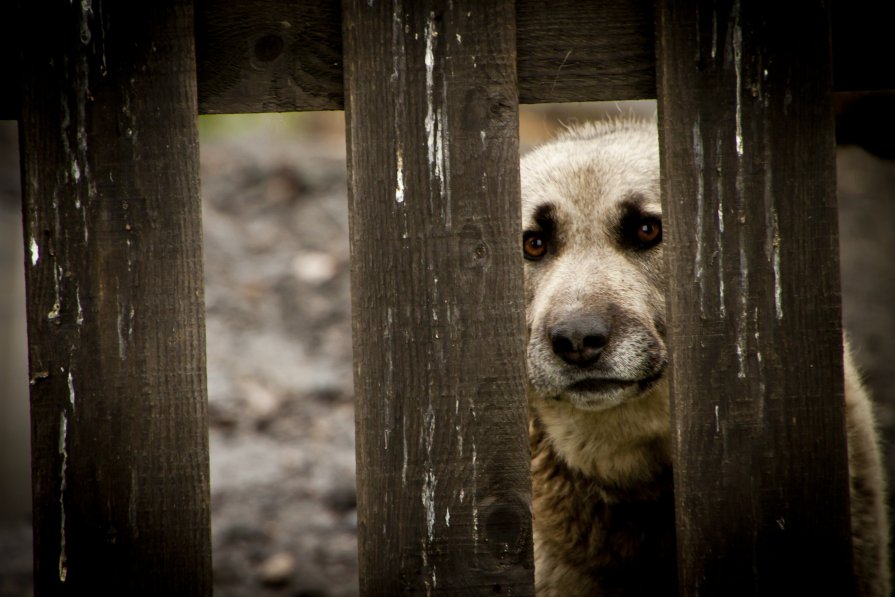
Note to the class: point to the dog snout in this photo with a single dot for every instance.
(579, 340)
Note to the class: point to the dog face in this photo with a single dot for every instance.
(594, 275)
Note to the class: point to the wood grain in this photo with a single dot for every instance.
(268, 56)
(115, 302)
(748, 165)
(572, 51)
(281, 56)
(444, 491)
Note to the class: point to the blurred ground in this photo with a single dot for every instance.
(279, 347)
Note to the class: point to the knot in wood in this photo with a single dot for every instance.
(269, 47)
(506, 523)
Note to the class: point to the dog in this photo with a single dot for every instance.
(600, 426)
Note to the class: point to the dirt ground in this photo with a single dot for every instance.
(279, 346)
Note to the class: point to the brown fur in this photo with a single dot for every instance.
(601, 465)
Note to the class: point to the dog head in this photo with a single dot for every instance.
(594, 273)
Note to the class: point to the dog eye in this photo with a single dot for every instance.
(646, 232)
(534, 246)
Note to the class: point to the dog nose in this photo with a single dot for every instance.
(580, 340)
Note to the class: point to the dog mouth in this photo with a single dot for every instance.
(599, 386)
(593, 385)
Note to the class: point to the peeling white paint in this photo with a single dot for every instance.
(459, 39)
(475, 505)
(447, 517)
(71, 390)
(428, 490)
(442, 161)
(778, 281)
(429, 422)
(63, 451)
(741, 355)
(428, 499)
(717, 420)
(86, 13)
(122, 346)
(57, 304)
(714, 33)
(397, 41)
(738, 67)
(404, 444)
(743, 293)
(80, 318)
(719, 192)
(35, 251)
(699, 159)
(399, 177)
(436, 135)
(430, 88)
(125, 330)
(721, 306)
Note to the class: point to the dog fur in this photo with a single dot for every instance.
(601, 464)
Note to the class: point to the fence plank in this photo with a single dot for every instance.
(115, 302)
(443, 463)
(749, 197)
(280, 55)
(268, 56)
(573, 51)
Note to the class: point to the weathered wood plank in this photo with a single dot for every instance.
(754, 313)
(573, 51)
(279, 55)
(115, 302)
(444, 490)
(268, 56)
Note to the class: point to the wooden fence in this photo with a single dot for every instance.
(107, 110)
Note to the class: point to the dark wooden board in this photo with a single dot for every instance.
(573, 51)
(444, 491)
(115, 302)
(754, 320)
(268, 55)
(568, 51)
(281, 55)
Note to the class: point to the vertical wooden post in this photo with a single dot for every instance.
(754, 310)
(115, 302)
(443, 461)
